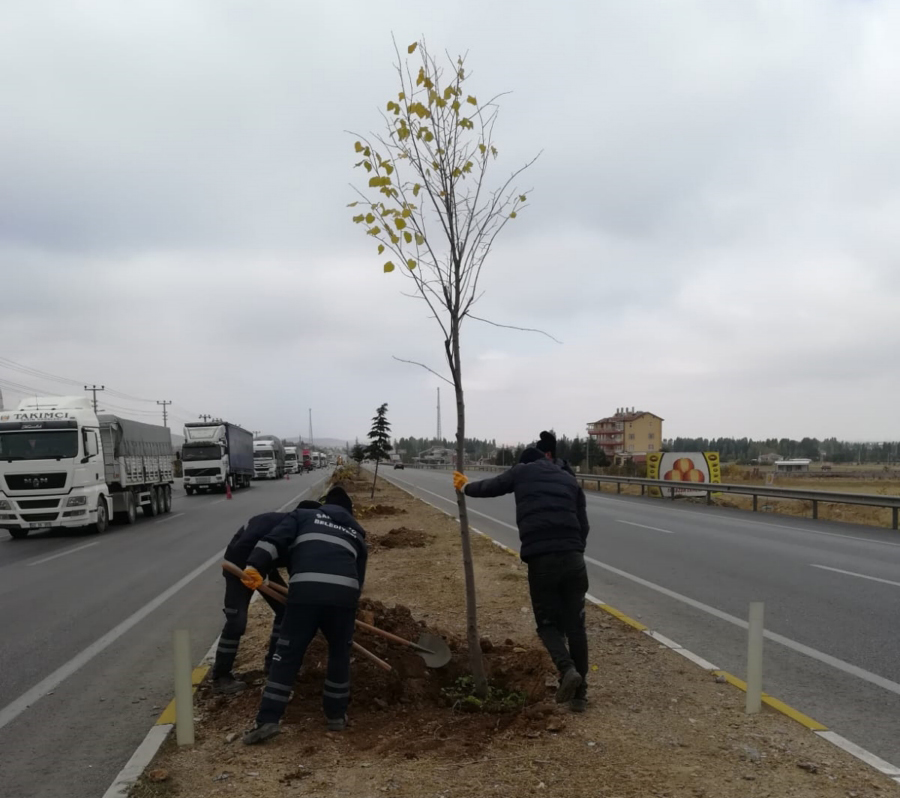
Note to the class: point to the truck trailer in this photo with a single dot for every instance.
(216, 454)
(268, 457)
(62, 465)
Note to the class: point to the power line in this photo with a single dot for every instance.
(93, 389)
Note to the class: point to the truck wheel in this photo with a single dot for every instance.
(18, 534)
(152, 510)
(189, 490)
(129, 514)
(102, 523)
(166, 499)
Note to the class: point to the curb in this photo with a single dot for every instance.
(882, 766)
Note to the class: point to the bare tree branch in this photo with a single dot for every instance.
(513, 327)
(415, 363)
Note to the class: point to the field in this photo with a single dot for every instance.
(657, 725)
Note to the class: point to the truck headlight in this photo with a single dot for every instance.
(76, 501)
(5, 505)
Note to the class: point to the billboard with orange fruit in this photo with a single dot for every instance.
(685, 468)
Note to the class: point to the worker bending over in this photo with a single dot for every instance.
(326, 551)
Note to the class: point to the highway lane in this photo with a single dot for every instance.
(60, 595)
(832, 594)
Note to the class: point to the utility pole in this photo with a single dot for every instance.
(164, 404)
(204, 417)
(312, 441)
(440, 437)
(94, 389)
(255, 432)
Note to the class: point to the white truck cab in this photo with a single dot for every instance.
(62, 465)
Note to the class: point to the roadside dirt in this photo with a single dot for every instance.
(656, 726)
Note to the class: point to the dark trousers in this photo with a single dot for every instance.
(557, 583)
(299, 627)
(237, 602)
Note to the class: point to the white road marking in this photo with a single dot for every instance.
(860, 753)
(219, 501)
(644, 526)
(853, 573)
(168, 518)
(63, 553)
(15, 708)
(800, 648)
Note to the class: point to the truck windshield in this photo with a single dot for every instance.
(263, 456)
(290, 456)
(194, 453)
(49, 445)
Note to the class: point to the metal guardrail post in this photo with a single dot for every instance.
(815, 510)
(755, 502)
(895, 519)
(618, 487)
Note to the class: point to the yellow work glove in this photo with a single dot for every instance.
(459, 481)
(252, 578)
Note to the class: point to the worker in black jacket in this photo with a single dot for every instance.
(237, 600)
(553, 527)
(327, 555)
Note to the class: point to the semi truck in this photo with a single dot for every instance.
(214, 455)
(64, 466)
(291, 462)
(307, 463)
(268, 457)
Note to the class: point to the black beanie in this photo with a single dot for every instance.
(337, 495)
(308, 504)
(547, 443)
(531, 454)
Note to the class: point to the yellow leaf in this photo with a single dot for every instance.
(428, 135)
(513, 215)
(380, 248)
(368, 166)
(358, 146)
(471, 100)
(406, 213)
(441, 103)
(522, 198)
(373, 231)
(494, 151)
(370, 217)
(455, 105)
(388, 168)
(411, 263)
(358, 219)
(401, 96)
(394, 239)
(407, 236)
(352, 204)
(420, 78)
(412, 48)
(427, 83)
(482, 148)
(416, 189)
(388, 267)
(391, 105)
(400, 222)
(419, 239)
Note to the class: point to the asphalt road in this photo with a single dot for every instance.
(86, 624)
(831, 593)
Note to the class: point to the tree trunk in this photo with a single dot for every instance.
(376, 479)
(476, 660)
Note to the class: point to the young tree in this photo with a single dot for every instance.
(380, 436)
(431, 207)
(358, 454)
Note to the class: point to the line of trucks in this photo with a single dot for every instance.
(62, 464)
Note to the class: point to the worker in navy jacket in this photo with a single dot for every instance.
(551, 514)
(326, 551)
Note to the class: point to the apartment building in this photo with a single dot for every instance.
(628, 434)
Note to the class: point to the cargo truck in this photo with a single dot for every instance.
(216, 454)
(291, 463)
(64, 466)
(268, 457)
(307, 463)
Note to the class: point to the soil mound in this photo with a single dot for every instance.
(373, 510)
(401, 538)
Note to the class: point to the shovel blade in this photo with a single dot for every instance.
(438, 653)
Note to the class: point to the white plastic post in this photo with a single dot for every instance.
(184, 694)
(755, 658)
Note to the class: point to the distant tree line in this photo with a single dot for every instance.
(744, 450)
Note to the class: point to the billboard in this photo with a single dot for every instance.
(685, 468)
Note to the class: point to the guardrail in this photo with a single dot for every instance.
(766, 491)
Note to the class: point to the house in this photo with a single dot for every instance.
(436, 455)
(629, 434)
(795, 464)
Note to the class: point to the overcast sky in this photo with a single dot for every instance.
(713, 232)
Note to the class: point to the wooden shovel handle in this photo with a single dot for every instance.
(267, 590)
(386, 635)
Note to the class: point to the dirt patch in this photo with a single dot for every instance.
(399, 538)
(366, 511)
(657, 725)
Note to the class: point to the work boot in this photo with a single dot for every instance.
(261, 733)
(337, 724)
(569, 683)
(578, 705)
(228, 685)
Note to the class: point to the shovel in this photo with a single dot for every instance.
(280, 594)
(433, 649)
